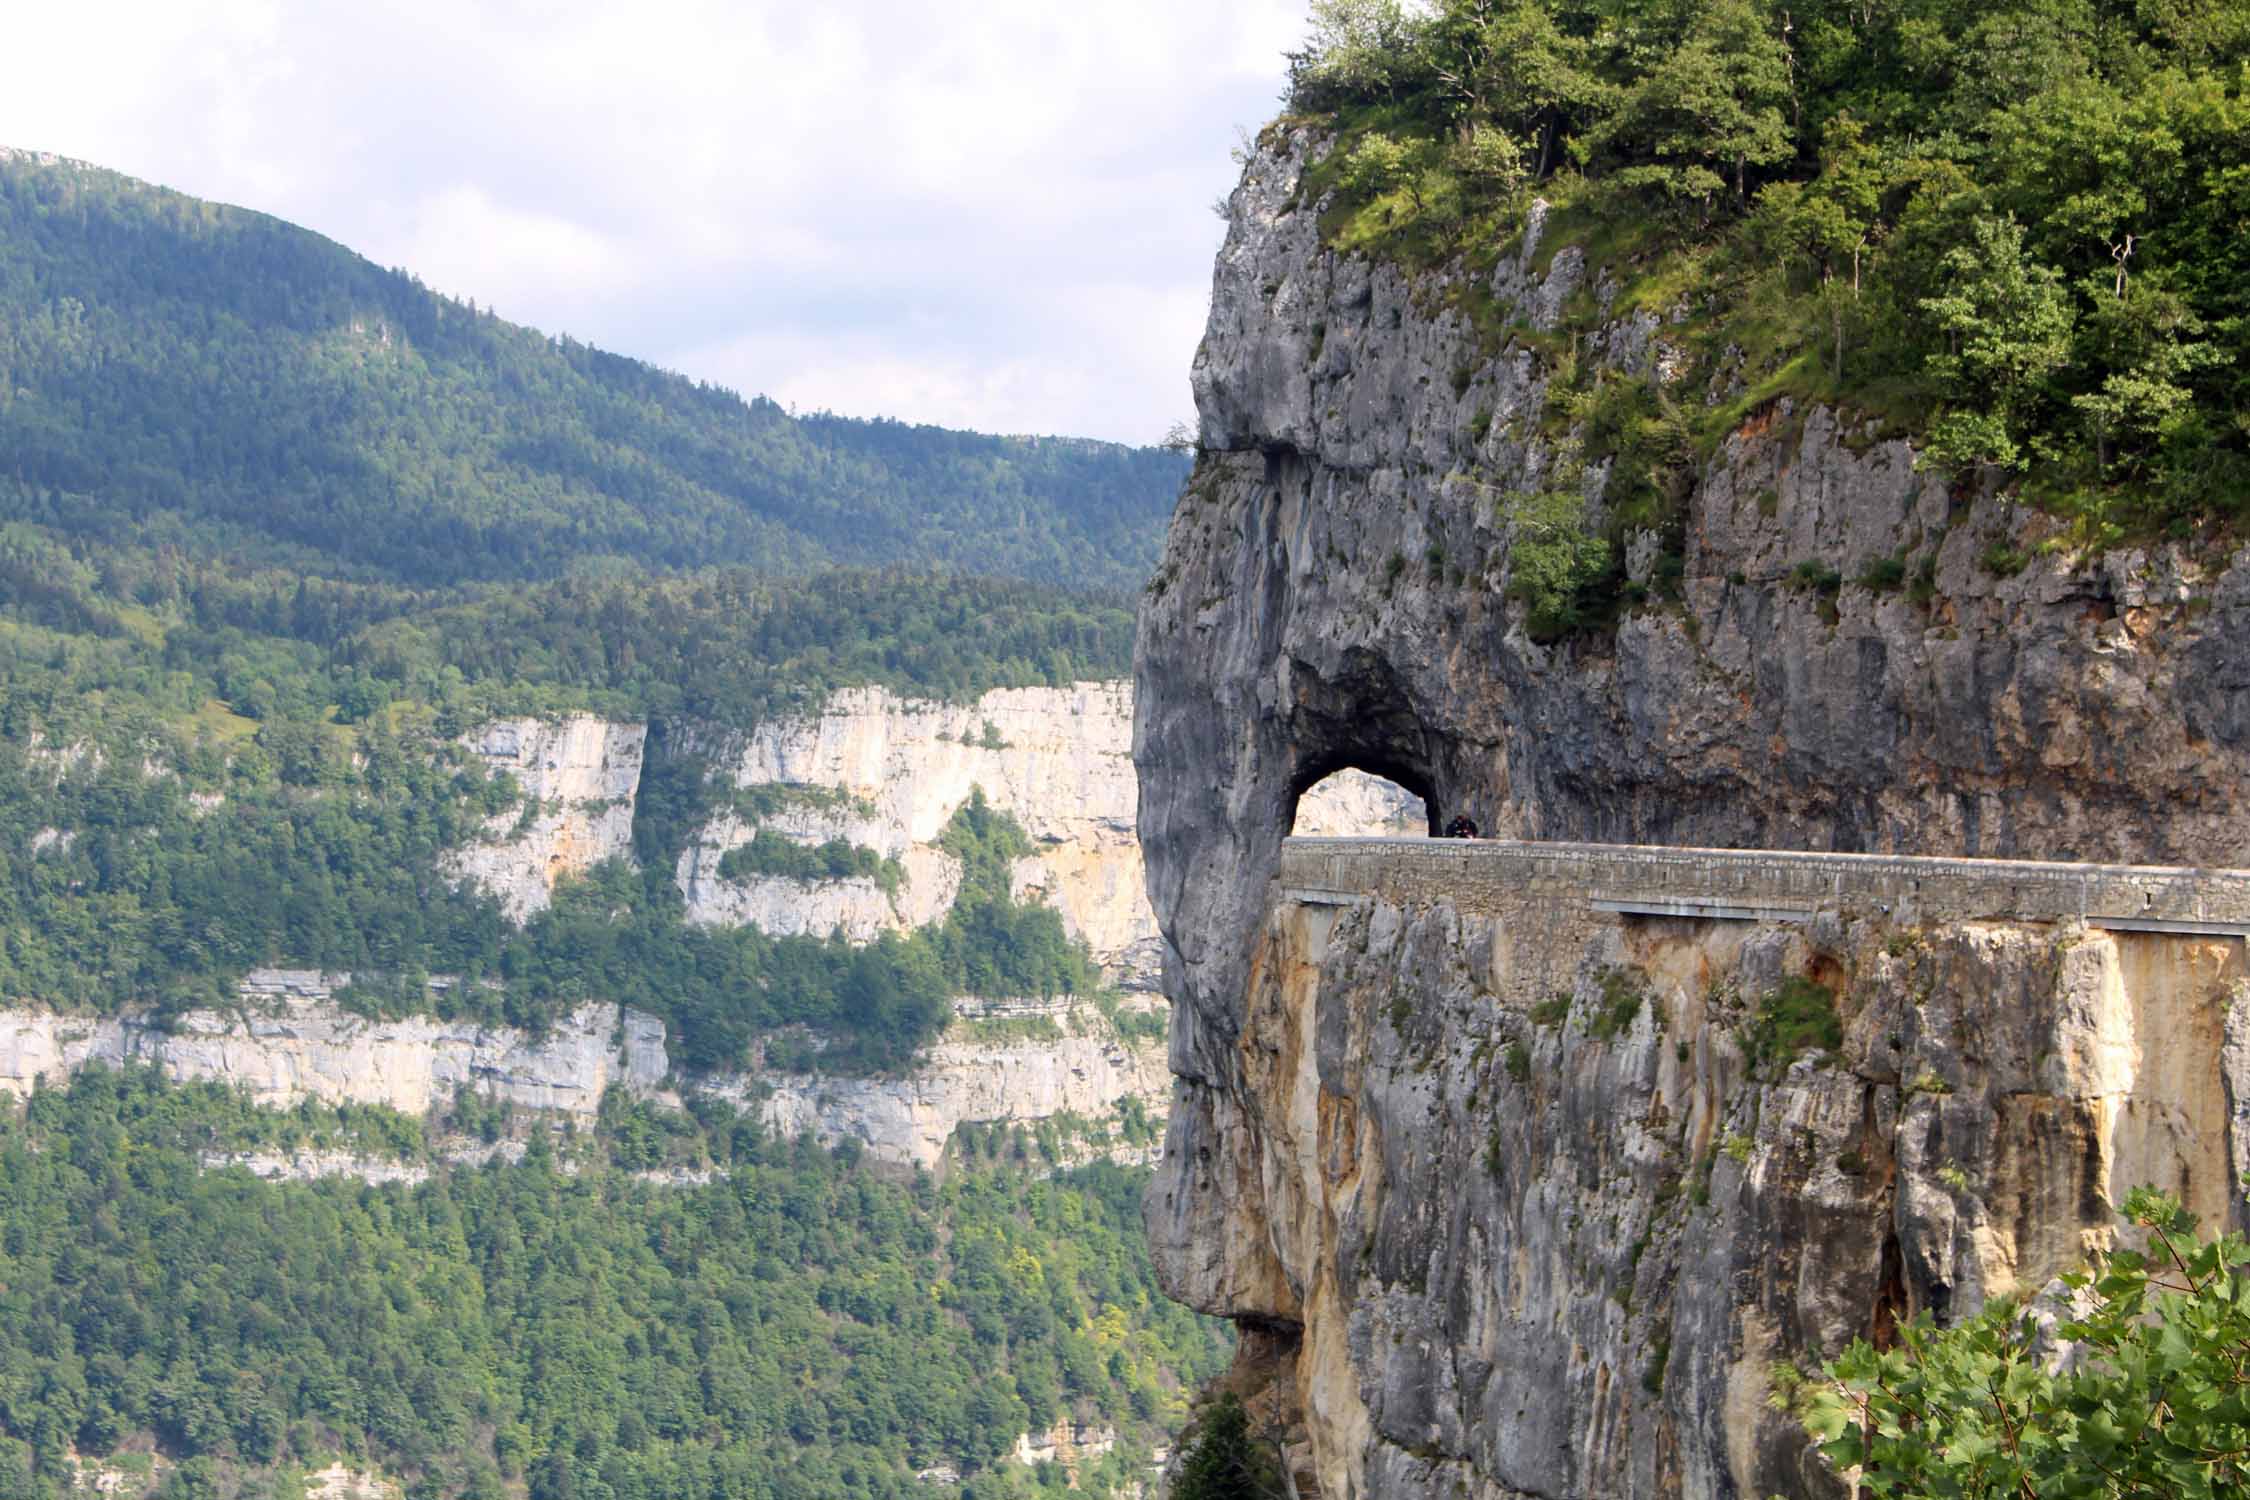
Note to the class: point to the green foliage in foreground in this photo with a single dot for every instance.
(2154, 1403)
(175, 373)
(796, 1329)
(1227, 1462)
(2014, 229)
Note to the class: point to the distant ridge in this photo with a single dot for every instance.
(175, 372)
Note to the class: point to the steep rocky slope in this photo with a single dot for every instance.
(1335, 592)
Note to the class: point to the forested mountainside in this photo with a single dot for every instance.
(176, 374)
(578, 1324)
(278, 529)
(346, 629)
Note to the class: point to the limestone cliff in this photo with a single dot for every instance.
(888, 773)
(1075, 1068)
(1335, 592)
(896, 770)
(1550, 1218)
(289, 1041)
(881, 772)
(578, 777)
(1006, 1063)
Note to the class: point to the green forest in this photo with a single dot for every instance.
(561, 1328)
(2014, 230)
(322, 850)
(179, 375)
(277, 528)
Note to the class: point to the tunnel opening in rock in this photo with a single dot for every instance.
(1352, 802)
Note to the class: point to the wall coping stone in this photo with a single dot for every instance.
(1496, 873)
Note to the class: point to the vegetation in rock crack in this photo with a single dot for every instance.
(2136, 1387)
(1622, 995)
(1552, 1011)
(1796, 1016)
(796, 1329)
(770, 853)
(2011, 230)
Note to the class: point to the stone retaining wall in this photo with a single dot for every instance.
(1497, 874)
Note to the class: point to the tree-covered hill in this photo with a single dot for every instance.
(202, 772)
(175, 372)
(562, 1328)
(277, 527)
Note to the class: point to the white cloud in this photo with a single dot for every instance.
(991, 215)
(459, 238)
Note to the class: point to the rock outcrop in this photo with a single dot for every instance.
(1068, 1063)
(1009, 1063)
(888, 774)
(1335, 593)
(579, 777)
(289, 1041)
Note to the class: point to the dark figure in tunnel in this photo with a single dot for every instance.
(1462, 827)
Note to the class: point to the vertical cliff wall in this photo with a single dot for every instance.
(888, 773)
(1551, 1215)
(1335, 592)
(579, 777)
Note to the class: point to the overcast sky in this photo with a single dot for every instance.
(990, 214)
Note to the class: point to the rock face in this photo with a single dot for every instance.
(579, 777)
(888, 773)
(1334, 593)
(1056, 759)
(1354, 804)
(1011, 1063)
(1076, 1065)
(290, 1042)
(1560, 1251)
(884, 773)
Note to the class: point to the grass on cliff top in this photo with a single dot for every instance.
(1721, 303)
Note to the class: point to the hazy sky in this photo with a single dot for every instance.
(991, 213)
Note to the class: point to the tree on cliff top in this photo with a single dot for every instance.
(2012, 226)
(2147, 1396)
